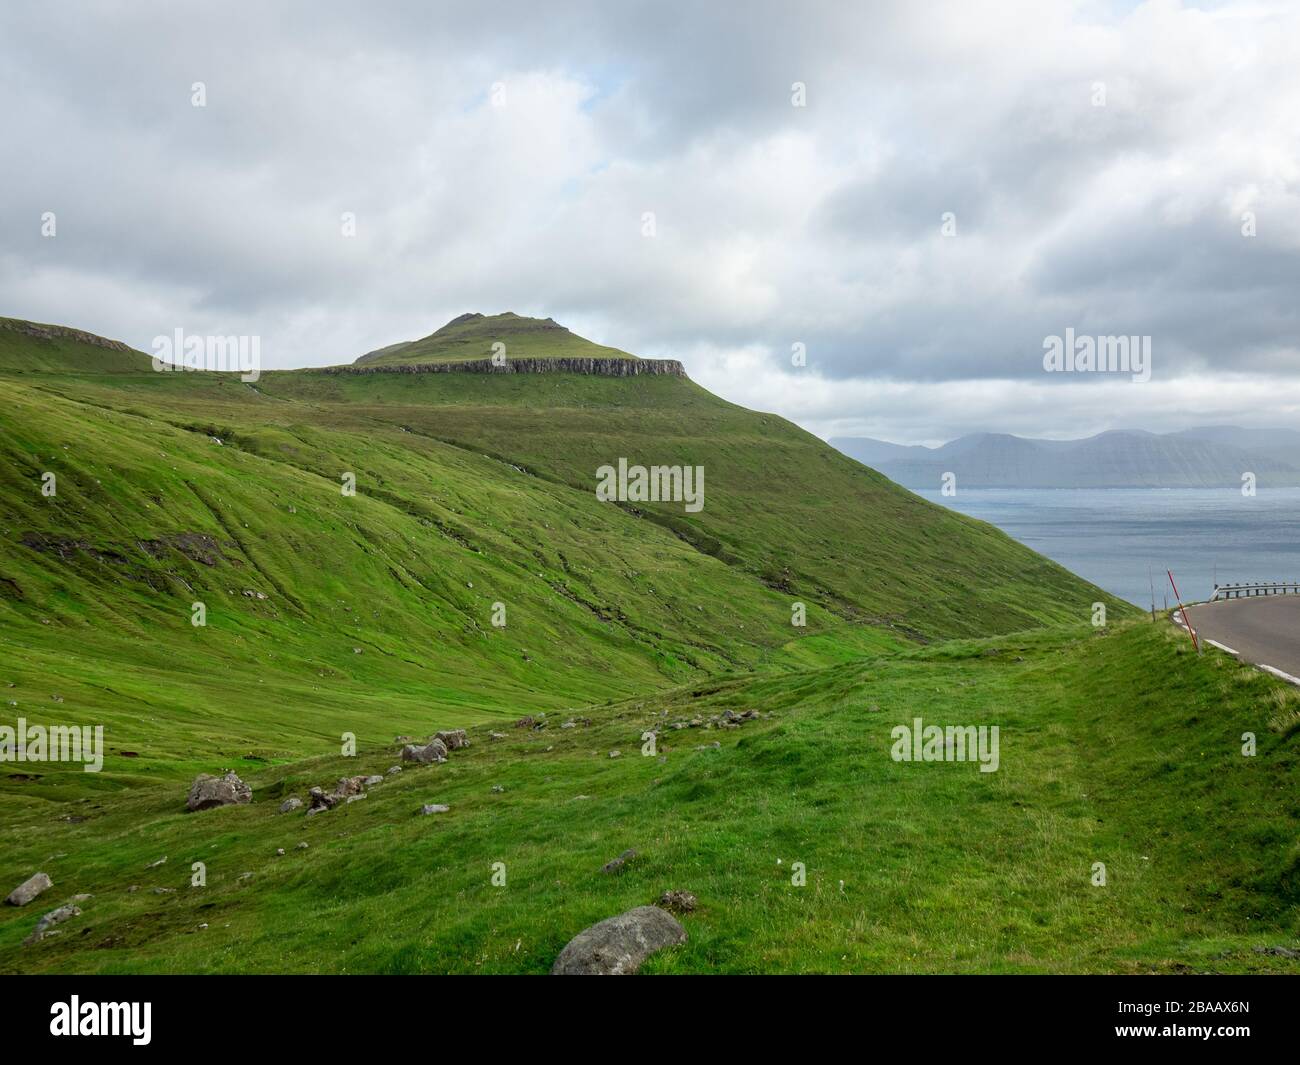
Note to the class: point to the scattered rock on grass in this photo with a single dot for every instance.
(50, 919)
(1278, 952)
(29, 889)
(619, 945)
(432, 753)
(208, 791)
(678, 901)
(453, 739)
(434, 808)
(291, 804)
(616, 864)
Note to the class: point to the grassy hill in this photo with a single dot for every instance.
(472, 336)
(372, 613)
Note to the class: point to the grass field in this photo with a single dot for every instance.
(373, 614)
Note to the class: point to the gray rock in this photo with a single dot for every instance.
(616, 865)
(616, 754)
(432, 753)
(453, 739)
(320, 801)
(619, 945)
(434, 808)
(208, 791)
(29, 889)
(371, 781)
(160, 861)
(279, 852)
(393, 770)
(50, 919)
(301, 846)
(291, 804)
(497, 789)
(678, 901)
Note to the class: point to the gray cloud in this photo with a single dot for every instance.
(775, 224)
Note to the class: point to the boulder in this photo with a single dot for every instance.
(434, 808)
(453, 739)
(208, 791)
(372, 780)
(433, 752)
(29, 889)
(619, 945)
(291, 804)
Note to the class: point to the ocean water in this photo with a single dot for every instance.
(1111, 535)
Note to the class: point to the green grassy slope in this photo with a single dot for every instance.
(34, 348)
(372, 614)
(150, 518)
(472, 336)
(1120, 748)
(780, 505)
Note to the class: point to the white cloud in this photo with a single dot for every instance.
(775, 224)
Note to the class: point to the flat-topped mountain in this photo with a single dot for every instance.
(34, 347)
(471, 337)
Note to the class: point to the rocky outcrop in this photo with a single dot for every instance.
(619, 945)
(61, 332)
(208, 791)
(597, 367)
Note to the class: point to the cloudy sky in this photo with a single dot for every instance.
(1099, 164)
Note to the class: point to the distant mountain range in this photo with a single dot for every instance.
(1207, 457)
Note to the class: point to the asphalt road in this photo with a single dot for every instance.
(1263, 630)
